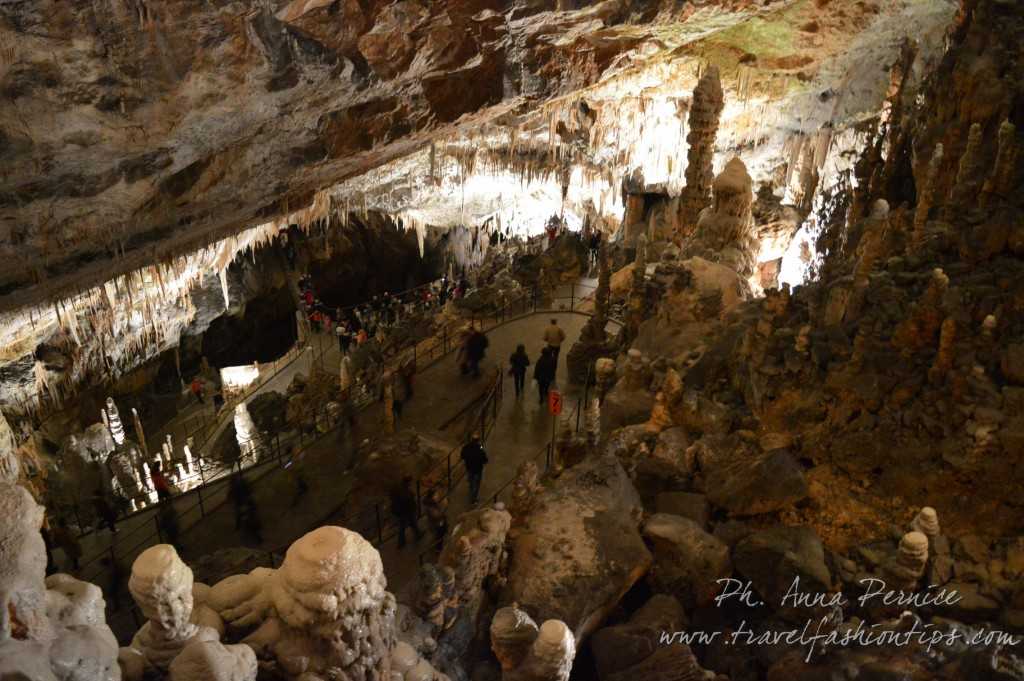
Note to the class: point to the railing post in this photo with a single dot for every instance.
(199, 493)
(579, 403)
(156, 522)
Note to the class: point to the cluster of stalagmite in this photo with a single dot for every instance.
(528, 652)
(708, 103)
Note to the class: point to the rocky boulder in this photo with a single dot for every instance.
(579, 550)
(623, 646)
(746, 485)
(685, 504)
(687, 560)
(780, 558)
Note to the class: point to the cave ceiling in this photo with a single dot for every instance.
(134, 132)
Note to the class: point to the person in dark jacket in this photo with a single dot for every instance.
(475, 458)
(105, 513)
(517, 367)
(544, 373)
(476, 348)
(403, 506)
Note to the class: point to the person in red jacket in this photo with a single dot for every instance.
(160, 483)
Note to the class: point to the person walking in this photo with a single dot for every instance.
(403, 507)
(544, 373)
(517, 367)
(475, 458)
(68, 542)
(344, 339)
(399, 392)
(476, 348)
(197, 389)
(554, 337)
(160, 484)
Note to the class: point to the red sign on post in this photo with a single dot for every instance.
(555, 402)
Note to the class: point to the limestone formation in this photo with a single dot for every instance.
(51, 629)
(629, 401)
(10, 468)
(999, 183)
(909, 564)
(604, 369)
(524, 489)
(529, 653)
(212, 661)
(926, 317)
(475, 551)
(725, 231)
(637, 305)
(705, 111)
(436, 597)
(944, 357)
(593, 342)
(334, 617)
(926, 198)
(161, 585)
(969, 172)
(926, 522)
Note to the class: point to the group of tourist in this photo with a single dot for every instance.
(547, 364)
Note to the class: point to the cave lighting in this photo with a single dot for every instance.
(240, 377)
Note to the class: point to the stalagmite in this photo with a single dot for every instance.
(140, 435)
(161, 585)
(332, 615)
(705, 111)
(246, 433)
(969, 174)
(944, 357)
(926, 522)
(529, 653)
(926, 198)
(725, 230)
(871, 249)
(114, 422)
(999, 184)
(908, 566)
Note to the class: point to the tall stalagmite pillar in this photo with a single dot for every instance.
(708, 102)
